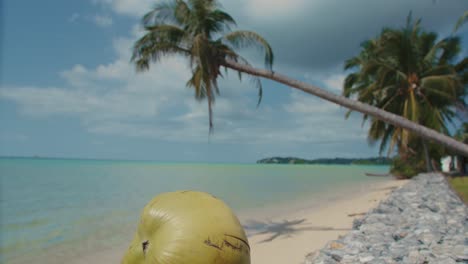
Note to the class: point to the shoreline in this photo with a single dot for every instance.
(307, 203)
(293, 233)
(101, 230)
(298, 234)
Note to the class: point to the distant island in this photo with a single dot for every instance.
(340, 161)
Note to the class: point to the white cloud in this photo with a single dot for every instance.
(315, 119)
(307, 35)
(274, 10)
(112, 99)
(90, 106)
(301, 103)
(76, 76)
(254, 9)
(128, 7)
(111, 91)
(331, 80)
(335, 82)
(74, 17)
(133, 110)
(102, 20)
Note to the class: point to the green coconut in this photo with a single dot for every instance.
(188, 227)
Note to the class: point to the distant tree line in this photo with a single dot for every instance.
(331, 161)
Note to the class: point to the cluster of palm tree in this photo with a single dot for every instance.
(200, 31)
(411, 73)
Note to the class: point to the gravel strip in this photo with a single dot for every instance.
(422, 222)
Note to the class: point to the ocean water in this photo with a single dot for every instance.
(52, 210)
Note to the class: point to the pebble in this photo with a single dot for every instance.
(421, 222)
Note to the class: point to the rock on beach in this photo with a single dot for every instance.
(422, 222)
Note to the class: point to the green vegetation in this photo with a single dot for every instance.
(409, 73)
(406, 168)
(460, 185)
(340, 161)
(462, 133)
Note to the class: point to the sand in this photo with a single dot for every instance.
(289, 238)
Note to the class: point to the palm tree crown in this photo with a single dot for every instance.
(409, 73)
(200, 31)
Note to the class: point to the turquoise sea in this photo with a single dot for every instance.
(52, 210)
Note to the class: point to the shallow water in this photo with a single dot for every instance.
(53, 209)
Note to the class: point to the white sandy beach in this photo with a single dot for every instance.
(309, 230)
(289, 238)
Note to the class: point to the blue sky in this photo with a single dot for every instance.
(68, 89)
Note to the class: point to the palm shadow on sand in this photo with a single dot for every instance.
(285, 228)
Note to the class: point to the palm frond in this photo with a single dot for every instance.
(256, 81)
(462, 65)
(143, 55)
(176, 12)
(432, 52)
(462, 20)
(220, 20)
(197, 83)
(349, 82)
(395, 140)
(352, 63)
(189, 28)
(445, 86)
(386, 138)
(450, 50)
(243, 39)
(445, 69)
(348, 114)
(161, 40)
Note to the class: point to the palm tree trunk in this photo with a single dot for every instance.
(426, 156)
(210, 110)
(354, 105)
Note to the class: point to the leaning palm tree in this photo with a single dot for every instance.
(406, 72)
(194, 29)
(199, 31)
